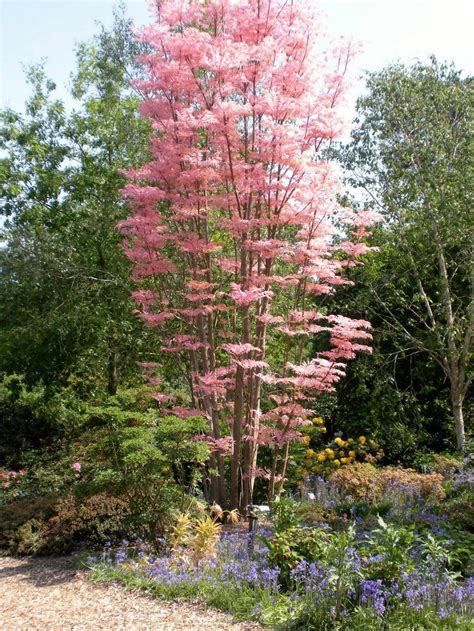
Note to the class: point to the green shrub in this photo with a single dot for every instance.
(461, 546)
(90, 522)
(123, 470)
(284, 514)
(392, 544)
(444, 464)
(460, 512)
(151, 462)
(314, 512)
(287, 548)
(33, 417)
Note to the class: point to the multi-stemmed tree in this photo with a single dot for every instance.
(235, 230)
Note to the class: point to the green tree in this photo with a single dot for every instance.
(64, 284)
(410, 159)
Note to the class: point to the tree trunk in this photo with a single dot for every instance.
(456, 399)
(454, 355)
(271, 482)
(238, 420)
(255, 399)
(237, 436)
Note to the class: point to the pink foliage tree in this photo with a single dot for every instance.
(234, 235)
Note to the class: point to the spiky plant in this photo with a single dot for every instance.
(204, 538)
(181, 533)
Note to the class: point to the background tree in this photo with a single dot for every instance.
(64, 279)
(408, 157)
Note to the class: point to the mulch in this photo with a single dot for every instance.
(51, 595)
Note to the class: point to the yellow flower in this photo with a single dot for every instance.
(323, 429)
(337, 462)
(318, 421)
(340, 442)
(310, 453)
(350, 440)
(306, 440)
(345, 460)
(304, 473)
(321, 457)
(341, 453)
(352, 454)
(317, 468)
(362, 440)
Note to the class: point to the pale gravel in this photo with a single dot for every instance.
(50, 595)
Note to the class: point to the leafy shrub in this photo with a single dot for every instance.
(283, 514)
(55, 525)
(152, 463)
(461, 546)
(140, 467)
(288, 548)
(12, 485)
(49, 471)
(33, 417)
(90, 522)
(459, 504)
(460, 512)
(389, 549)
(21, 520)
(359, 481)
(291, 543)
(445, 464)
(364, 481)
(316, 512)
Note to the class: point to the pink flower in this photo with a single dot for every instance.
(76, 466)
(5, 485)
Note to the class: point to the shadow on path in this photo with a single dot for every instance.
(40, 572)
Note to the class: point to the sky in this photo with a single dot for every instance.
(389, 31)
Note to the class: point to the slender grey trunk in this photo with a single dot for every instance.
(457, 404)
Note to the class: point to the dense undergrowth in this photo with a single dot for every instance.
(369, 548)
(301, 574)
(352, 543)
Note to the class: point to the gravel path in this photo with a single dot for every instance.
(48, 594)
